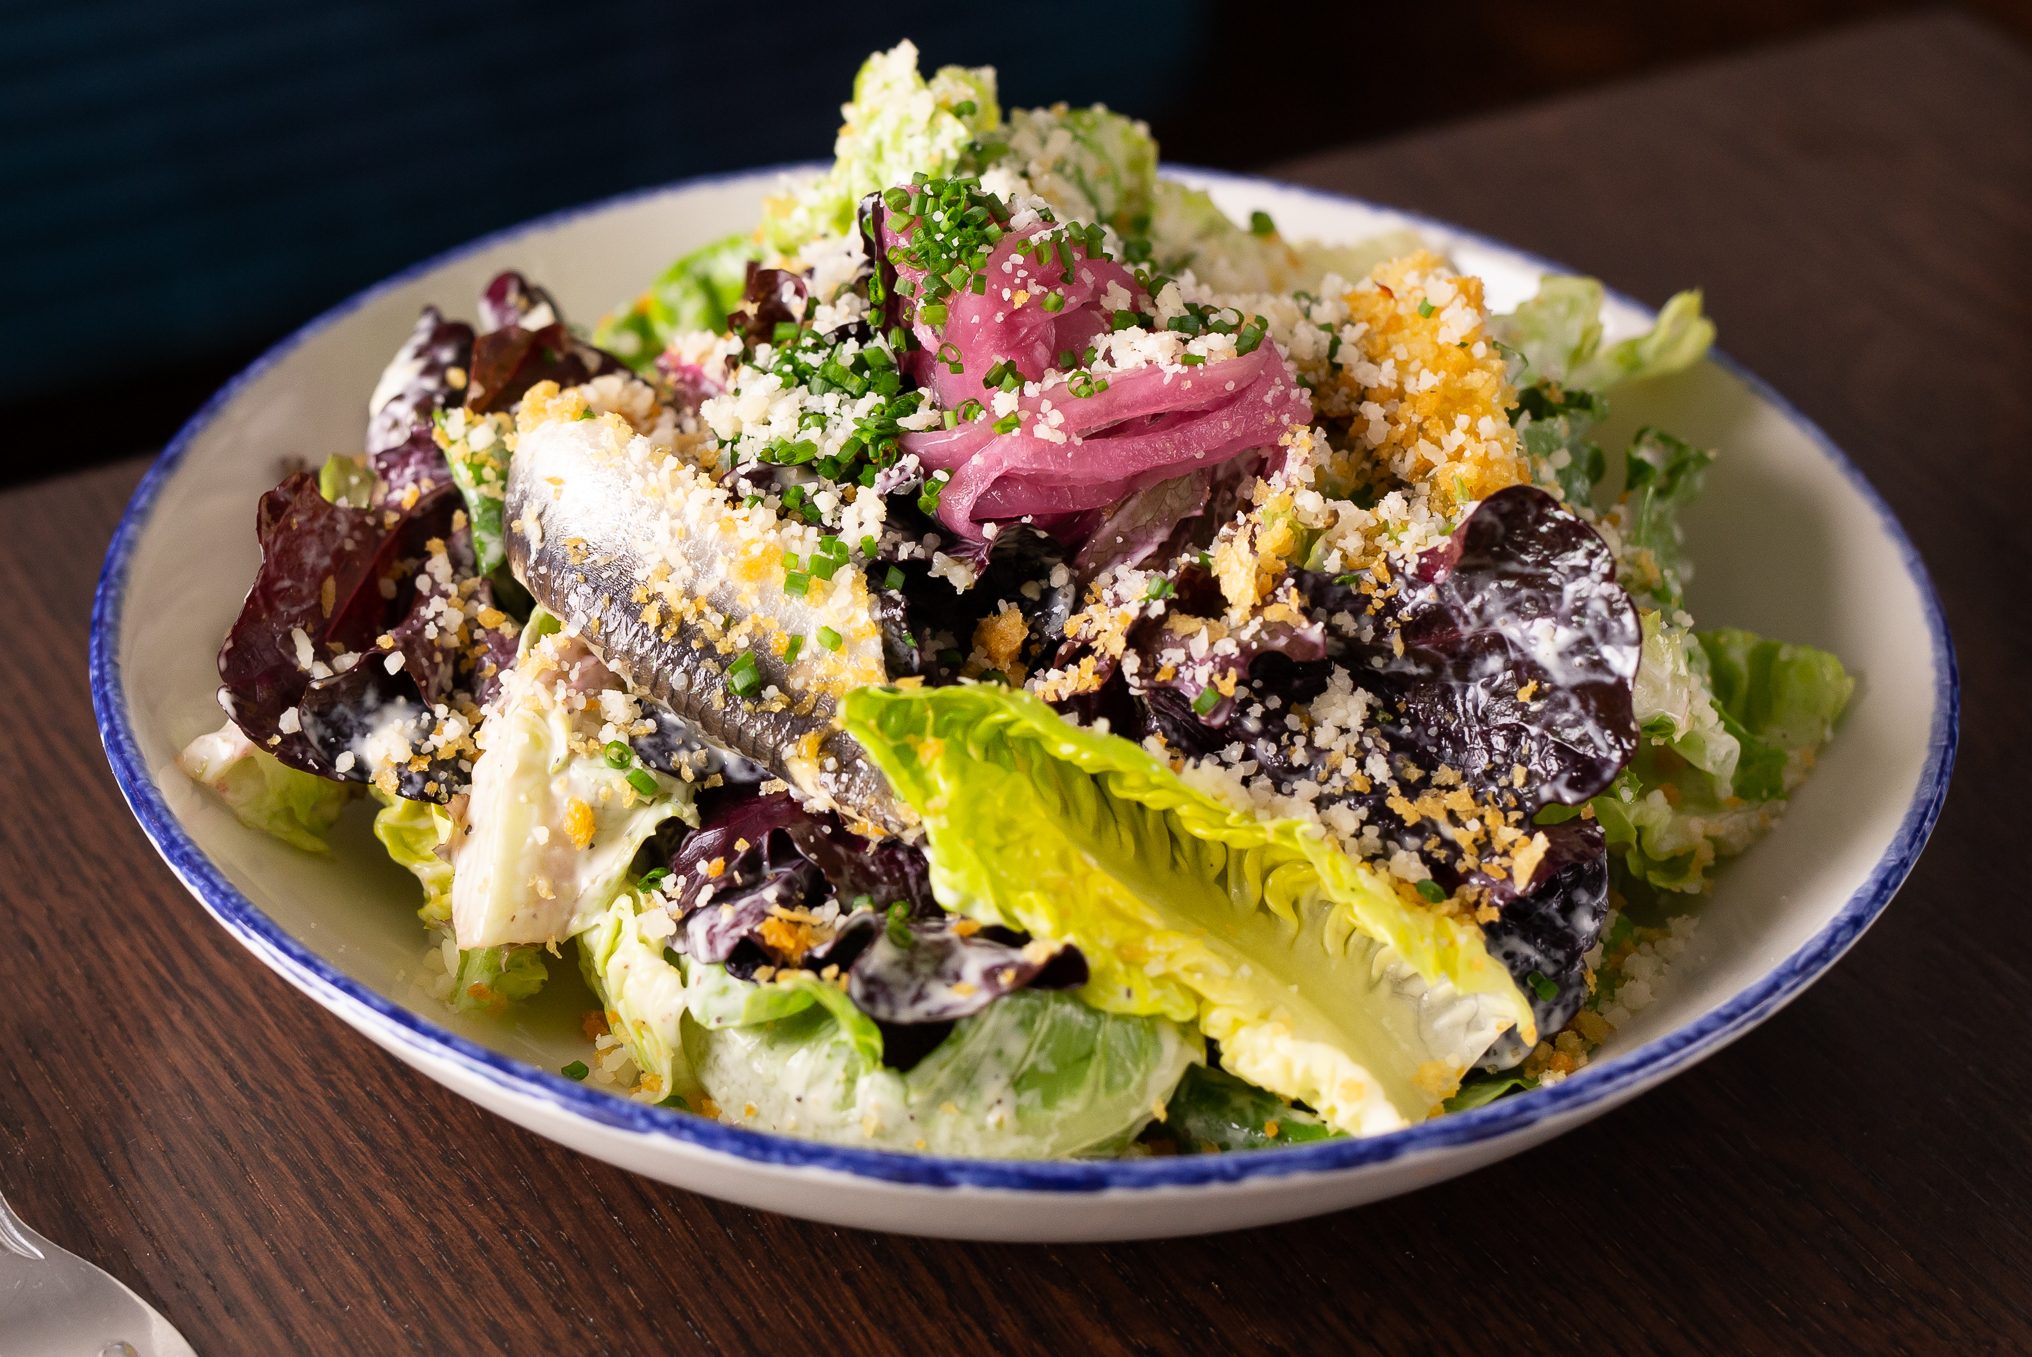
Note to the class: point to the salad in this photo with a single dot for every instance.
(1004, 659)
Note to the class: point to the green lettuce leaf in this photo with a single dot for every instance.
(1034, 1075)
(1668, 823)
(1680, 338)
(1556, 331)
(345, 478)
(644, 993)
(897, 124)
(1483, 1089)
(488, 977)
(1787, 695)
(1674, 704)
(262, 792)
(476, 449)
(1553, 427)
(1731, 722)
(1557, 336)
(1188, 231)
(1661, 475)
(418, 835)
(1212, 1110)
(1090, 164)
(1322, 982)
(717, 1000)
(698, 292)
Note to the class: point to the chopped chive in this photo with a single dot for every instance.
(796, 582)
(897, 925)
(792, 648)
(1209, 698)
(1160, 588)
(618, 755)
(1261, 225)
(576, 1070)
(1425, 308)
(825, 566)
(1008, 422)
(893, 579)
(744, 676)
(1054, 302)
(642, 782)
(1542, 987)
(828, 638)
(651, 877)
(1433, 891)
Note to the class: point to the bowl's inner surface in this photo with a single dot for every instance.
(1783, 541)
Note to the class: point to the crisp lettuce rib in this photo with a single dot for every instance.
(418, 835)
(1320, 980)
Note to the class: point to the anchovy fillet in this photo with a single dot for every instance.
(657, 567)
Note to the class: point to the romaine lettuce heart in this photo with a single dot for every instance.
(418, 835)
(1321, 982)
(644, 994)
(554, 827)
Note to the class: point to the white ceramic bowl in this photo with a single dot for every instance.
(1789, 539)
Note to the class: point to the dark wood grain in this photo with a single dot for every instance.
(1852, 1176)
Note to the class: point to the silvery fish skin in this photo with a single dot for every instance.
(671, 579)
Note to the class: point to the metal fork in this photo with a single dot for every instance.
(55, 1304)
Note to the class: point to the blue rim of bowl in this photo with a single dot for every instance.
(1605, 1082)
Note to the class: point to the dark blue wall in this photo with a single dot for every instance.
(185, 181)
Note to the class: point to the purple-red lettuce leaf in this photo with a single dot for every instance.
(415, 462)
(928, 626)
(770, 297)
(905, 970)
(300, 673)
(1510, 645)
(418, 381)
(760, 857)
(511, 299)
(508, 361)
(1544, 935)
(1140, 528)
(1263, 656)
(883, 872)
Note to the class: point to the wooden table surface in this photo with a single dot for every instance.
(1854, 1175)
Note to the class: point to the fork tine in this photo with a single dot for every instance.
(15, 1236)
